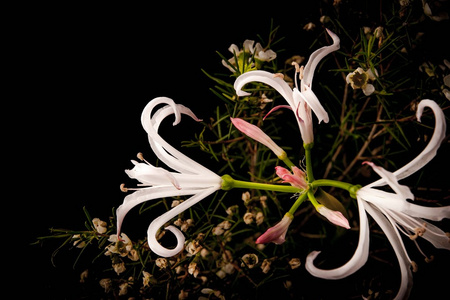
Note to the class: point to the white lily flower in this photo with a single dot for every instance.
(394, 214)
(302, 100)
(188, 177)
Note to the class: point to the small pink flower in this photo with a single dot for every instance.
(257, 134)
(277, 233)
(335, 217)
(297, 179)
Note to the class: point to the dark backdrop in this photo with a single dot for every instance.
(81, 77)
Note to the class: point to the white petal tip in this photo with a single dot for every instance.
(242, 93)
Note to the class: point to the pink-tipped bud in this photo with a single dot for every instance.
(277, 233)
(335, 217)
(257, 134)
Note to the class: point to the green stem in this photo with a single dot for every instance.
(229, 183)
(309, 171)
(286, 160)
(312, 199)
(297, 203)
(351, 188)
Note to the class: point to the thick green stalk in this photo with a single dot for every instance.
(286, 160)
(298, 202)
(351, 188)
(229, 183)
(309, 171)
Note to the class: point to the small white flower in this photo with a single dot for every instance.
(79, 243)
(245, 196)
(123, 288)
(146, 278)
(119, 266)
(294, 263)
(106, 283)
(193, 247)
(232, 209)
(84, 275)
(249, 260)
(249, 217)
(120, 246)
(359, 79)
(100, 226)
(161, 263)
(265, 266)
(309, 27)
(259, 218)
(193, 269)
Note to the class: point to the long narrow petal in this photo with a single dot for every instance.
(358, 259)
(431, 233)
(397, 245)
(165, 152)
(392, 181)
(257, 134)
(397, 203)
(268, 78)
(430, 150)
(313, 102)
(151, 175)
(316, 57)
(146, 194)
(159, 222)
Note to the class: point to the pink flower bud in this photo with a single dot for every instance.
(277, 233)
(257, 134)
(297, 179)
(335, 217)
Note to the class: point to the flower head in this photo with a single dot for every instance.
(244, 56)
(301, 99)
(359, 79)
(277, 233)
(297, 178)
(187, 178)
(394, 214)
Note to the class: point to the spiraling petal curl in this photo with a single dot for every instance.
(358, 259)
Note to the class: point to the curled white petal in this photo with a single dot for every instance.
(430, 150)
(316, 57)
(358, 259)
(268, 78)
(159, 222)
(165, 152)
(397, 245)
(146, 194)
